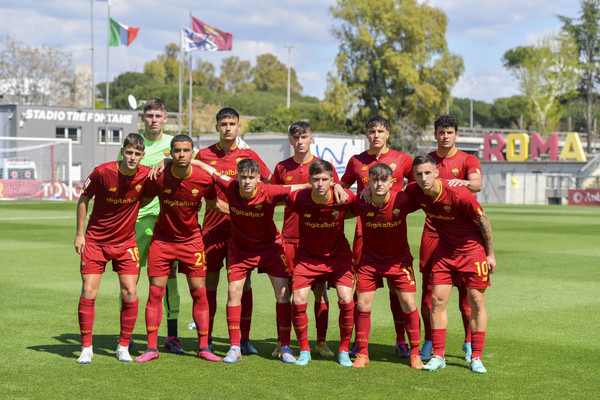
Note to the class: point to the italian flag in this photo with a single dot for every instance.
(121, 35)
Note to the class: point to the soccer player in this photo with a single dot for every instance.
(465, 245)
(178, 237)
(224, 157)
(385, 254)
(461, 169)
(117, 189)
(323, 255)
(158, 146)
(294, 170)
(255, 243)
(357, 170)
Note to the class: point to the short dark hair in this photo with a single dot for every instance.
(320, 166)
(299, 128)
(155, 104)
(424, 159)
(380, 171)
(227, 112)
(134, 140)
(377, 120)
(249, 165)
(446, 121)
(181, 138)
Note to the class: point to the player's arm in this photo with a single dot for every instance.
(145, 201)
(473, 182)
(82, 209)
(486, 232)
(267, 179)
(340, 194)
(218, 205)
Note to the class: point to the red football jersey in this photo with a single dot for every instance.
(321, 226)
(116, 202)
(384, 228)
(357, 169)
(290, 172)
(456, 166)
(453, 215)
(226, 164)
(180, 200)
(252, 225)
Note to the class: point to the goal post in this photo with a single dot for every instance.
(36, 168)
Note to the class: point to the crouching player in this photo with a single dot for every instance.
(465, 245)
(323, 255)
(385, 254)
(178, 237)
(117, 188)
(255, 243)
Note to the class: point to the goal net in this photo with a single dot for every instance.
(36, 168)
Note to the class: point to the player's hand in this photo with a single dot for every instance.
(366, 195)
(491, 260)
(458, 182)
(340, 194)
(79, 244)
(157, 170)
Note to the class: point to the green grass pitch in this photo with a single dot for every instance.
(542, 340)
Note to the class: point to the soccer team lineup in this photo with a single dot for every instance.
(145, 216)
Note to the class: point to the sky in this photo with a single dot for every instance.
(478, 30)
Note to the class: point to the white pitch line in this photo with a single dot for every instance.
(33, 218)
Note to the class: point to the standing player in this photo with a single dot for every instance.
(465, 246)
(357, 170)
(158, 146)
(323, 255)
(461, 169)
(385, 254)
(178, 237)
(294, 170)
(255, 243)
(224, 156)
(117, 187)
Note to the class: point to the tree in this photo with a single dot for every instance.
(512, 112)
(585, 30)
(545, 72)
(270, 73)
(35, 75)
(393, 60)
(236, 74)
(278, 120)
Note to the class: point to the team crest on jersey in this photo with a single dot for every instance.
(213, 162)
(306, 215)
(167, 153)
(455, 171)
(195, 192)
(370, 214)
(138, 187)
(112, 189)
(393, 166)
(447, 208)
(87, 183)
(396, 212)
(335, 213)
(167, 190)
(364, 168)
(258, 206)
(288, 178)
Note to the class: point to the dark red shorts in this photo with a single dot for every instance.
(473, 268)
(271, 261)
(336, 270)
(215, 245)
(190, 255)
(125, 258)
(426, 253)
(401, 274)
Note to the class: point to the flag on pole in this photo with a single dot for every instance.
(217, 39)
(121, 35)
(191, 40)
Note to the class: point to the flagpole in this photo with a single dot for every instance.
(180, 81)
(92, 89)
(190, 99)
(106, 100)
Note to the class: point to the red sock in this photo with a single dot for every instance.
(154, 312)
(321, 320)
(233, 324)
(477, 343)
(86, 311)
(129, 312)
(398, 316)
(413, 330)
(284, 322)
(301, 325)
(200, 313)
(355, 299)
(438, 340)
(211, 297)
(363, 330)
(346, 322)
(426, 305)
(246, 316)
(465, 310)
